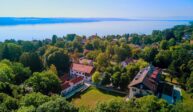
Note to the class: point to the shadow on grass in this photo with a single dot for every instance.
(79, 94)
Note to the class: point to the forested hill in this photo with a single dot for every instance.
(33, 20)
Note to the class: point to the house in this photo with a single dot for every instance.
(72, 86)
(128, 61)
(85, 71)
(85, 61)
(145, 82)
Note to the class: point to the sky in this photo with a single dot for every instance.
(98, 8)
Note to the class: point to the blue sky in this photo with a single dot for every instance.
(97, 8)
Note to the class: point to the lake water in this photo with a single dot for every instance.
(29, 32)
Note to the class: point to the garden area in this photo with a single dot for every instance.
(92, 96)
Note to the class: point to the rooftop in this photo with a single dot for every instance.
(82, 68)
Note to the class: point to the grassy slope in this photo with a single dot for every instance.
(92, 96)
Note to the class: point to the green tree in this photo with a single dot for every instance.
(31, 60)
(57, 105)
(163, 59)
(190, 83)
(33, 99)
(7, 103)
(106, 79)
(27, 109)
(54, 39)
(44, 82)
(96, 77)
(124, 81)
(172, 42)
(6, 73)
(21, 73)
(116, 79)
(102, 61)
(164, 44)
(150, 53)
(57, 57)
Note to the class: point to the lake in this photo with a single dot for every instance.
(42, 31)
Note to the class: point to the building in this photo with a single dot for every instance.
(85, 71)
(145, 82)
(128, 61)
(71, 87)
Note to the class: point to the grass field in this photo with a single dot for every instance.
(187, 98)
(92, 96)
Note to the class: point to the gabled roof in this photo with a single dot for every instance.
(139, 77)
(147, 78)
(82, 68)
(65, 85)
(76, 80)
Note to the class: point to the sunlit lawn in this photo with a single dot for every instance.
(188, 101)
(92, 96)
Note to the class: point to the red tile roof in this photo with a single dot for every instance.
(77, 79)
(82, 68)
(155, 74)
(65, 85)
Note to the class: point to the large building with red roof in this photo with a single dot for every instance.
(71, 85)
(85, 71)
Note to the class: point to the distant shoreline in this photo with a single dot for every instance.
(12, 21)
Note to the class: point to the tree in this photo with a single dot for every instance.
(33, 99)
(57, 57)
(44, 82)
(102, 61)
(54, 39)
(7, 103)
(57, 105)
(190, 83)
(27, 109)
(116, 79)
(106, 79)
(11, 51)
(70, 37)
(168, 34)
(21, 73)
(6, 73)
(96, 77)
(132, 70)
(53, 69)
(150, 53)
(164, 44)
(171, 42)
(163, 59)
(124, 81)
(31, 60)
(28, 46)
(121, 53)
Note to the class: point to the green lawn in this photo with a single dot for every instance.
(187, 98)
(92, 96)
